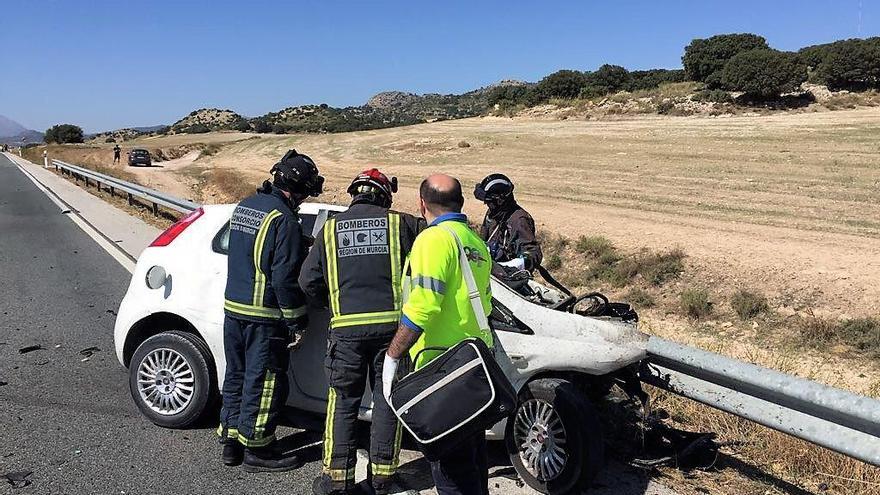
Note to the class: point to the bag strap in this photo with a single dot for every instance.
(470, 283)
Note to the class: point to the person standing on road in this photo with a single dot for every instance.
(507, 228)
(355, 265)
(438, 314)
(264, 308)
(116, 152)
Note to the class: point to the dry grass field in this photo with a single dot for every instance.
(784, 207)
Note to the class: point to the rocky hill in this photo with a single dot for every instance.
(386, 109)
(207, 120)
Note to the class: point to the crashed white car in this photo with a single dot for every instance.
(169, 334)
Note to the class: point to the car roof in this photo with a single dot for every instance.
(139, 149)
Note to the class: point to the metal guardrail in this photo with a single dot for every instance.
(836, 419)
(832, 418)
(155, 198)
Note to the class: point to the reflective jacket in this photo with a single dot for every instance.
(511, 234)
(438, 305)
(355, 266)
(266, 251)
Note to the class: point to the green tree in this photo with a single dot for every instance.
(705, 57)
(63, 133)
(261, 126)
(242, 125)
(561, 84)
(764, 73)
(647, 79)
(851, 64)
(607, 79)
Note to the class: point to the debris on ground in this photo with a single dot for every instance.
(88, 351)
(18, 479)
(30, 348)
(3, 383)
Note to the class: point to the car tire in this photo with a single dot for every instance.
(172, 379)
(550, 410)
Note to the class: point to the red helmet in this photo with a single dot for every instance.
(373, 182)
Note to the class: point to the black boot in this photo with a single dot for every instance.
(390, 485)
(324, 486)
(233, 452)
(268, 460)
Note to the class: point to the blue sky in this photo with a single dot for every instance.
(108, 64)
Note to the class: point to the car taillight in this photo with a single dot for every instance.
(175, 230)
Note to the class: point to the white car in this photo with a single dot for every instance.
(169, 334)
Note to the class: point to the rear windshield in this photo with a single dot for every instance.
(140, 152)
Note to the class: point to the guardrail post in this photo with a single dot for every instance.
(156, 209)
(130, 199)
(112, 192)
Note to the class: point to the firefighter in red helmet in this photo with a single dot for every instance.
(355, 268)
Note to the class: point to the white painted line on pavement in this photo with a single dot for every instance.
(112, 249)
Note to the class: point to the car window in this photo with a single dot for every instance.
(220, 244)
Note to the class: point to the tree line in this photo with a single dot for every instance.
(741, 62)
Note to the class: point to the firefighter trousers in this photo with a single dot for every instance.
(256, 384)
(349, 364)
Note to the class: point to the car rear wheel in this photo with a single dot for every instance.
(172, 379)
(554, 440)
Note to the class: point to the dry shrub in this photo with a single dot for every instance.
(655, 268)
(594, 245)
(777, 454)
(860, 333)
(210, 150)
(695, 303)
(639, 298)
(748, 304)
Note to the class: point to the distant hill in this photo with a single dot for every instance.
(125, 134)
(386, 109)
(207, 120)
(11, 132)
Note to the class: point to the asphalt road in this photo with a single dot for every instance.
(71, 421)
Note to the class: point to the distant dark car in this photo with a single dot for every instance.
(139, 157)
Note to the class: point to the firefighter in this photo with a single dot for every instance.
(264, 308)
(355, 266)
(438, 314)
(508, 229)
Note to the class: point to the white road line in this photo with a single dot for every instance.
(112, 249)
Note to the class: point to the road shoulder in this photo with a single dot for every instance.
(127, 232)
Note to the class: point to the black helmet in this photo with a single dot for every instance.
(374, 182)
(493, 188)
(297, 174)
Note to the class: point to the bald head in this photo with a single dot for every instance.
(441, 194)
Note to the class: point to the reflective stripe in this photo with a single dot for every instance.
(430, 283)
(265, 404)
(328, 429)
(255, 442)
(230, 432)
(259, 276)
(294, 313)
(249, 310)
(332, 272)
(365, 319)
(394, 253)
(390, 469)
(340, 474)
(383, 469)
